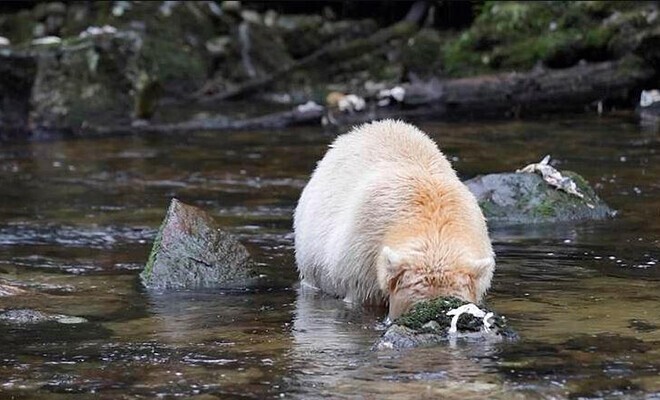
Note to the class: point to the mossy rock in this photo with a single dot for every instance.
(85, 81)
(191, 252)
(524, 198)
(427, 323)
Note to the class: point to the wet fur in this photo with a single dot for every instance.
(384, 218)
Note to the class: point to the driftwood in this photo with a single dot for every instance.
(332, 53)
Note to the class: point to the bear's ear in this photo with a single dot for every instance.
(392, 258)
(393, 268)
(482, 265)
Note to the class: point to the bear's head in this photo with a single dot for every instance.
(410, 277)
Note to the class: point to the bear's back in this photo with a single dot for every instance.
(335, 236)
(371, 145)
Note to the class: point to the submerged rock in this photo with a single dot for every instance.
(28, 316)
(26, 326)
(445, 320)
(190, 251)
(525, 198)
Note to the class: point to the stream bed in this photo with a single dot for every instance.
(77, 218)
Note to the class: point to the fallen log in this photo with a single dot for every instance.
(534, 92)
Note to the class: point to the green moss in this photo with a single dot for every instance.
(546, 208)
(581, 183)
(172, 60)
(434, 310)
(155, 250)
(460, 59)
(489, 209)
(517, 35)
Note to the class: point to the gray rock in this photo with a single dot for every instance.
(24, 316)
(429, 323)
(525, 198)
(190, 251)
(86, 81)
(399, 337)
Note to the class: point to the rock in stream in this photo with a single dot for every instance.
(428, 323)
(525, 198)
(190, 251)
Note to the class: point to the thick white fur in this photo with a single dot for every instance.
(362, 188)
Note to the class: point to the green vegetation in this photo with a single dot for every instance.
(517, 35)
(155, 250)
(427, 311)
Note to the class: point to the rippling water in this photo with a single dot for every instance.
(77, 218)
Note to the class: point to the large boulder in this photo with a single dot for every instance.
(190, 251)
(525, 198)
(85, 81)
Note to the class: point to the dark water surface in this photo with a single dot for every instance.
(77, 219)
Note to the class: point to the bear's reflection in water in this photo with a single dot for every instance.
(332, 352)
(310, 343)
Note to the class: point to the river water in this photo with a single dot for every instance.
(77, 218)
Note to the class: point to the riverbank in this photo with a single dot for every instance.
(83, 68)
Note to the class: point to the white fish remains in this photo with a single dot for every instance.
(552, 176)
(472, 310)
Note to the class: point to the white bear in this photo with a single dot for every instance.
(384, 219)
